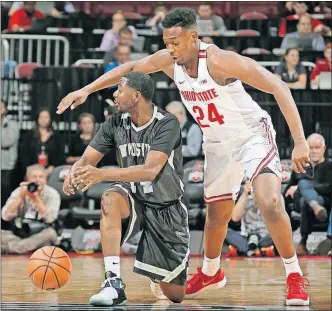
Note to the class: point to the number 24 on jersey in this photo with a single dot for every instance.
(211, 117)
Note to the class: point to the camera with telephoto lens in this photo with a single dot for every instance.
(32, 187)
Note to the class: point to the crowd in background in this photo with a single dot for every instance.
(32, 157)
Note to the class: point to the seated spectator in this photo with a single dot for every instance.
(21, 19)
(125, 38)
(191, 133)
(304, 32)
(52, 7)
(321, 65)
(301, 9)
(64, 7)
(254, 239)
(205, 13)
(291, 70)
(160, 12)
(312, 191)
(122, 56)
(286, 8)
(86, 125)
(111, 37)
(34, 206)
(10, 134)
(42, 145)
(207, 40)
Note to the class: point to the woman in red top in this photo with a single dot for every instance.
(322, 65)
(21, 20)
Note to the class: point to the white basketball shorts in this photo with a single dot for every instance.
(227, 163)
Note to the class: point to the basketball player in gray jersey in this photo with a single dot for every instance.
(146, 194)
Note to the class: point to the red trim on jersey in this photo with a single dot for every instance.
(216, 198)
(264, 163)
(202, 54)
(273, 152)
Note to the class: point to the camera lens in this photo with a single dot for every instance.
(32, 187)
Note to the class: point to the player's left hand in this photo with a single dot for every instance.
(86, 176)
(300, 157)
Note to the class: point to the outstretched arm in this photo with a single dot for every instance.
(86, 176)
(166, 139)
(250, 72)
(160, 61)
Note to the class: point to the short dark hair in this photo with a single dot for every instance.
(141, 82)
(180, 17)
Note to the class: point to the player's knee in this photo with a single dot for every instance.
(271, 207)
(109, 201)
(176, 298)
(216, 217)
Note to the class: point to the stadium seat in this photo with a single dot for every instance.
(247, 33)
(253, 16)
(255, 51)
(25, 70)
(193, 191)
(94, 195)
(56, 180)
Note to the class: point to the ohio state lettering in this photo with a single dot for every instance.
(204, 96)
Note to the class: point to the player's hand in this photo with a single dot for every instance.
(67, 186)
(73, 100)
(291, 191)
(300, 157)
(86, 176)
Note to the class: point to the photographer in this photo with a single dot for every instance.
(33, 206)
(254, 239)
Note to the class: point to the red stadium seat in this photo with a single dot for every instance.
(247, 33)
(24, 70)
(253, 16)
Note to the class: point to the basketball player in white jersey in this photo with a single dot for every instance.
(239, 139)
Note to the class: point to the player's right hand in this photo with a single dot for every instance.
(73, 100)
(67, 187)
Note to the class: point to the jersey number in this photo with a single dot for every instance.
(147, 186)
(213, 115)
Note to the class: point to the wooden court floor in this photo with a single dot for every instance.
(253, 284)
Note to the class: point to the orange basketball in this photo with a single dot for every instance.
(49, 268)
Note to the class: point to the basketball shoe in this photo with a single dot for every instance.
(296, 293)
(156, 290)
(201, 282)
(112, 292)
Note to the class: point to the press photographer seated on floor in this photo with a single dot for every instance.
(33, 207)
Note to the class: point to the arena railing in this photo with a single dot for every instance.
(5, 49)
(42, 49)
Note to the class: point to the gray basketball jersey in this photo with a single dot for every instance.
(161, 133)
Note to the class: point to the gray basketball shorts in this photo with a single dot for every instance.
(163, 250)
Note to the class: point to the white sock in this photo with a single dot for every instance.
(112, 263)
(211, 266)
(292, 265)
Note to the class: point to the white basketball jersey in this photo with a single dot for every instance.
(222, 112)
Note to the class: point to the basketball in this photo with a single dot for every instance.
(49, 268)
